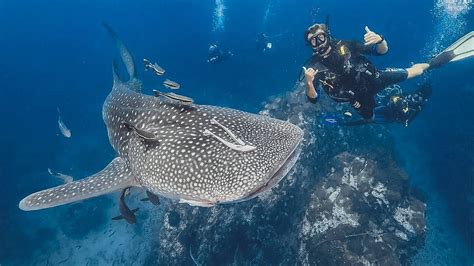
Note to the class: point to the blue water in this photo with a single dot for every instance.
(56, 54)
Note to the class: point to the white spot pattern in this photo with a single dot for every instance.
(184, 162)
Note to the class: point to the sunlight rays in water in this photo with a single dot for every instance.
(219, 16)
(450, 24)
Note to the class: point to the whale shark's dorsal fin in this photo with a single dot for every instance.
(123, 51)
(115, 176)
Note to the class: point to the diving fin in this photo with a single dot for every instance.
(332, 120)
(460, 49)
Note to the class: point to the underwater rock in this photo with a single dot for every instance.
(173, 219)
(345, 202)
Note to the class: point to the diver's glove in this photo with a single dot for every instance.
(371, 38)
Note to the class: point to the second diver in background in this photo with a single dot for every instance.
(262, 43)
(393, 106)
(403, 108)
(217, 55)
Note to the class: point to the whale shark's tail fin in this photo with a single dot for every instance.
(117, 79)
(124, 53)
(114, 177)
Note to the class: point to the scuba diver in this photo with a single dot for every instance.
(342, 69)
(216, 55)
(392, 107)
(402, 108)
(262, 43)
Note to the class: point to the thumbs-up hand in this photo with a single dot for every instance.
(310, 73)
(371, 37)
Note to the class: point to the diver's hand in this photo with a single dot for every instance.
(309, 73)
(370, 37)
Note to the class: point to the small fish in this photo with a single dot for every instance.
(65, 178)
(349, 114)
(125, 212)
(171, 84)
(331, 120)
(62, 127)
(154, 67)
(174, 96)
(180, 98)
(154, 199)
(144, 134)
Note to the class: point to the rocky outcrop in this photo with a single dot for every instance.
(359, 215)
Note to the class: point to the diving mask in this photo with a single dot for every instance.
(318, 37)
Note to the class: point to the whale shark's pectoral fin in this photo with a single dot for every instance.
(114, 177)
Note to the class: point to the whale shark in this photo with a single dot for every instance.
(201, 155)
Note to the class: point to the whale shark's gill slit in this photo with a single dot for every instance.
(240, 146)
(233, 146)
(232, 135)
(114, 177)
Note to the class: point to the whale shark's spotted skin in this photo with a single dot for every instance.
(179, 161)
(185, 163)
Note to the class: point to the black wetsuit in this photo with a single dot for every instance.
(346, 75)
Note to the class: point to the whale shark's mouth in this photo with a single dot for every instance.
(277, 174)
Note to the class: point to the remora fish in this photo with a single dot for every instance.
(171, 84)
(65, 178)
(154, 67)
(173, 96)
(241, 156)
(154, 199)
(125, 212)
(62, 127)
